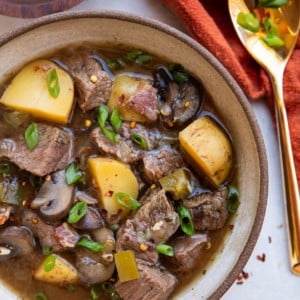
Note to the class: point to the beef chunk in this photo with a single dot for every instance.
(153, 283)
(66, 235)
(187, 250)
(53, 151)
(93, 85)
(125, 149)
(131, 235)
(155, 222)
(44, 232)
(143, 101)
(208, 210)
(161, 163)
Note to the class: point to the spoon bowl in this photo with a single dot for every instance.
(274, 60)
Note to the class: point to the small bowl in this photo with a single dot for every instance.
(52, 33)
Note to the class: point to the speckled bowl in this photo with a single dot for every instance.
(54, 32)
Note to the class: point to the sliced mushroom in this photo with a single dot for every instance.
(55, 197)
(92, 268)
(91, 220)
(179, 103)
(15, 241)
(105, 236)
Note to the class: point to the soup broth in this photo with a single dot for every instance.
(117, 168)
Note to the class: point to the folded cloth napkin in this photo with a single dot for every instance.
(208, 21)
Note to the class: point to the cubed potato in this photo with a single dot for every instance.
(28, 92)
(209, 147)
(111, 177)
(124, 87)
(62, 273)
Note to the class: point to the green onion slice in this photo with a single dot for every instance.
(165, 249)
(47, 250)
(32, 136)
(94, 294)
(73, 175)
(139, 140)
(53, 83)
(271, 3)
(133, 54)
(248, 21)
(41, 296)
(186, 222)
(49, 263)
(77, 212)
(143, 59)
(90, 245)
(115, 120)
(103, 114)
(232, 199)
(70, 288)
(127, 201)
(5, 168)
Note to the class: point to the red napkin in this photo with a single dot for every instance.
(208, 21)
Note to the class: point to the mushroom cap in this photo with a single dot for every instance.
(55, 197)
(15, 241)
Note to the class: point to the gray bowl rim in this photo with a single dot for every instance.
(160, 26)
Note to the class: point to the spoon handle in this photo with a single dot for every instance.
(290, 184)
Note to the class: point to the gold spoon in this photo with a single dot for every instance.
(274, 62)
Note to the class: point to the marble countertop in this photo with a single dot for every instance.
(272, 278)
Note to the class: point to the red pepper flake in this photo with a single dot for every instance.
(110, 193)
(230, 227)
(36, 68)
(269, 239)
(240, 277)
(262, 257)
(245, 274)
(86, 150)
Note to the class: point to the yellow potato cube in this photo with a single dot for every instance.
(111, 177)
(124, 87)
(62, 272)
(126, 265)
(209, 148)
(28, 92)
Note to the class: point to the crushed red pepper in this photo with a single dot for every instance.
(261, 258)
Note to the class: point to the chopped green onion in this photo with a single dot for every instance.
(49, 263)
(5, 168)
(248, 21)
(41, 296)
(139, 140)
(232, 199)
(94, 294)
(186, 222)
(178, 73)
(73, 175)
(271, 3)
(132, 55)
(53, 83)
(32, 136)
(47, 250)
(77, 212)
(103, 114)
(115, 120)
(115, 64)
(143, 59)
(90, 245)
(165, 249)
(127, 201)
(180, 77)
(70, 288)
(273, 41)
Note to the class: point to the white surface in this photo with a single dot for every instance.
(271, 279)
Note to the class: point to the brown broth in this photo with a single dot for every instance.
(17, 273)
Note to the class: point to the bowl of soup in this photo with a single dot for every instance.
(131, 163)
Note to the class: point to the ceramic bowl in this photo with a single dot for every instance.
(55, 32)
